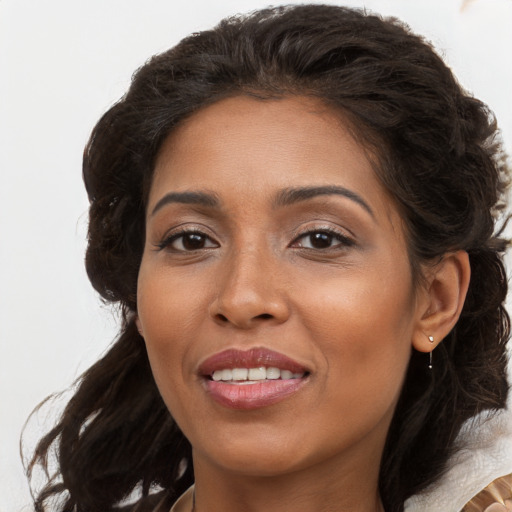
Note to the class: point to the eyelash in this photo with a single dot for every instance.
(343, 240)
(169, 240)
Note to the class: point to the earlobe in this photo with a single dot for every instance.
(444, 295)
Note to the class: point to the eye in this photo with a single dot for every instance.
(321, 239)
(186, 241)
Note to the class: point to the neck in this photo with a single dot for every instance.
(351, 487)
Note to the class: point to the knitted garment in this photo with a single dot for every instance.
(496, 497)
(485, 457)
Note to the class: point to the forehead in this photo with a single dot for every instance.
(243, 145)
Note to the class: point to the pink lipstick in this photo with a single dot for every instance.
(251, 379)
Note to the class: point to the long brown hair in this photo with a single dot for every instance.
(438, 156)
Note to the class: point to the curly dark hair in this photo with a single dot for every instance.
(438, 156)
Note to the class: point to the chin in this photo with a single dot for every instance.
(262, 465)
(258, 455)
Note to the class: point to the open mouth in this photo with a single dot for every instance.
(253, 375)
(251, 379)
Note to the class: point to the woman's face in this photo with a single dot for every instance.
(275, 294)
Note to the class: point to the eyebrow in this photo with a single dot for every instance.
(285, 197)
(294, 195)
(198, 198)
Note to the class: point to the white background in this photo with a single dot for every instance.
(62, 64)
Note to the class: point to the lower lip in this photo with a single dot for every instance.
(253, 396)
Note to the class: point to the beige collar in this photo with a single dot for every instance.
(185, 501)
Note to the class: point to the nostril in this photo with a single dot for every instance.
(224, 319)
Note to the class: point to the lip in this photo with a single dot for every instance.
(233, 358)
(251, 396)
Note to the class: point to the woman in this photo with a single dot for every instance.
(296, 212)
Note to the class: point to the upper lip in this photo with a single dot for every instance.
(252, 358)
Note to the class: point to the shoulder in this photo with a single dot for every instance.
(496, 497)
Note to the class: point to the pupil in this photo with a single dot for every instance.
(193, 241)
(321, 240)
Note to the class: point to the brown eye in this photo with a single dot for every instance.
(322, 239)
(187, 241)
(193, 241)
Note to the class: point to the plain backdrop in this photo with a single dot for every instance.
(62, 64)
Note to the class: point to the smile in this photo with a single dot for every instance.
(251, 379)
(250, 375)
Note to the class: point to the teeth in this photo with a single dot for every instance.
(240, 373)
(286, 374)
(258, 373)
(227, 374)
(273, 373)
(254, 374)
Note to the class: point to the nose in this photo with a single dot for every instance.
(249, 292)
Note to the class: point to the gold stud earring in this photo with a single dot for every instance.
(431, 339)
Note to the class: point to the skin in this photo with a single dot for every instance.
(347, 310)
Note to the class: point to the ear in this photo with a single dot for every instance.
(139, 325)
(441, 300)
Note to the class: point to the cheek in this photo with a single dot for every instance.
(365, 324)
(168, 304)
(168, 312)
